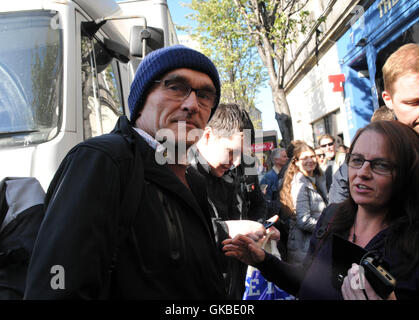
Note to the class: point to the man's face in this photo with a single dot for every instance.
(328, 147)
(404, 99)
(163, 111)
(281, 159)
(220, 152)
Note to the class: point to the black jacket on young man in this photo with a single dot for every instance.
(164, 250)
(230, 201)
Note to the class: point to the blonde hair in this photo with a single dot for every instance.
(404, 60)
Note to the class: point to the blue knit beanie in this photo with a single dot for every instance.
(159, 62)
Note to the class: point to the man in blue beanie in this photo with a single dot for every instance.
(120, 224)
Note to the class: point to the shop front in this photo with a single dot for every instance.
(378, 31)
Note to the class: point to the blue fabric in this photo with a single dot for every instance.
(159, 62)
(271, 179)
(257, 288)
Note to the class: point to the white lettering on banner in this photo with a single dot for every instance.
(252, 286)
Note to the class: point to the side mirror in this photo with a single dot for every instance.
(144, 40)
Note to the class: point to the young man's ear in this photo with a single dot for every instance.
(387, 99)
(207, 134)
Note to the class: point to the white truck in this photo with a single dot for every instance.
(65, 72)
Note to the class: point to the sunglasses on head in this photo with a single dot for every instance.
(327, 145)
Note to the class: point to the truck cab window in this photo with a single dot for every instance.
(31, 71)
(100, 90)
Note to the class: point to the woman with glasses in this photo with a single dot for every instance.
(380, 217)
(303, 198)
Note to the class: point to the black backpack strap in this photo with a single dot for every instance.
(323, 228)
(321, 232)
(131, 198)
(4, 207)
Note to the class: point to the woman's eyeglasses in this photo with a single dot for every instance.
(379, 166)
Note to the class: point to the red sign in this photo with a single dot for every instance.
(258, 147)
(337, 80)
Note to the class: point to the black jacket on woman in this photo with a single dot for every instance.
(315, 280)
(164, 250)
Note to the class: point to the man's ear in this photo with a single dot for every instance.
(207, 134)
(387, 99)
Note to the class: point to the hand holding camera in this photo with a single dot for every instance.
(368, 282)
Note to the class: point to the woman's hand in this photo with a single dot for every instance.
(244, 249)
(353, 284)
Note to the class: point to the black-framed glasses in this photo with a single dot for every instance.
(379, 166)
(181, 91)
(327, 144)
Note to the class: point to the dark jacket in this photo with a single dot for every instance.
(166, 251)
(314, 280)
(231, 201)
(271, 179)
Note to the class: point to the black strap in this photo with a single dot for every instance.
(4, 207)
(327, 219)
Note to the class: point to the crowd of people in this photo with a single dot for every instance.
(125, 225)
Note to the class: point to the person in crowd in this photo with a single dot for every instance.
(401, 84)
(327, 144)
(342, 149)
(401, 97)
(271, 178)
(380, 216)
(303, 198)
(125, 221)
(383, 113)
(218, 157)
(321, 158)
(339, 191)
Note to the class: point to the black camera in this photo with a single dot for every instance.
(345, 253)
(379, 278)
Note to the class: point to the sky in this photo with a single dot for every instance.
(263, 100)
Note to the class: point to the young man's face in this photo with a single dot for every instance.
(220, 152)
(328, 147)
(404, 100)
(162, 110)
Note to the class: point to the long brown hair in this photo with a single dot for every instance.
(287, 204)
(403, 214)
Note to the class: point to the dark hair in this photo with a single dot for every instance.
(403, 214)
(230, 119)
(382, 113)
(287, 204)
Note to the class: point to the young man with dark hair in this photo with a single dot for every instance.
(236, 199)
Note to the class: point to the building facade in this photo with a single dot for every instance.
(334, 79)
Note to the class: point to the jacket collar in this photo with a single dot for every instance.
(159, 174)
